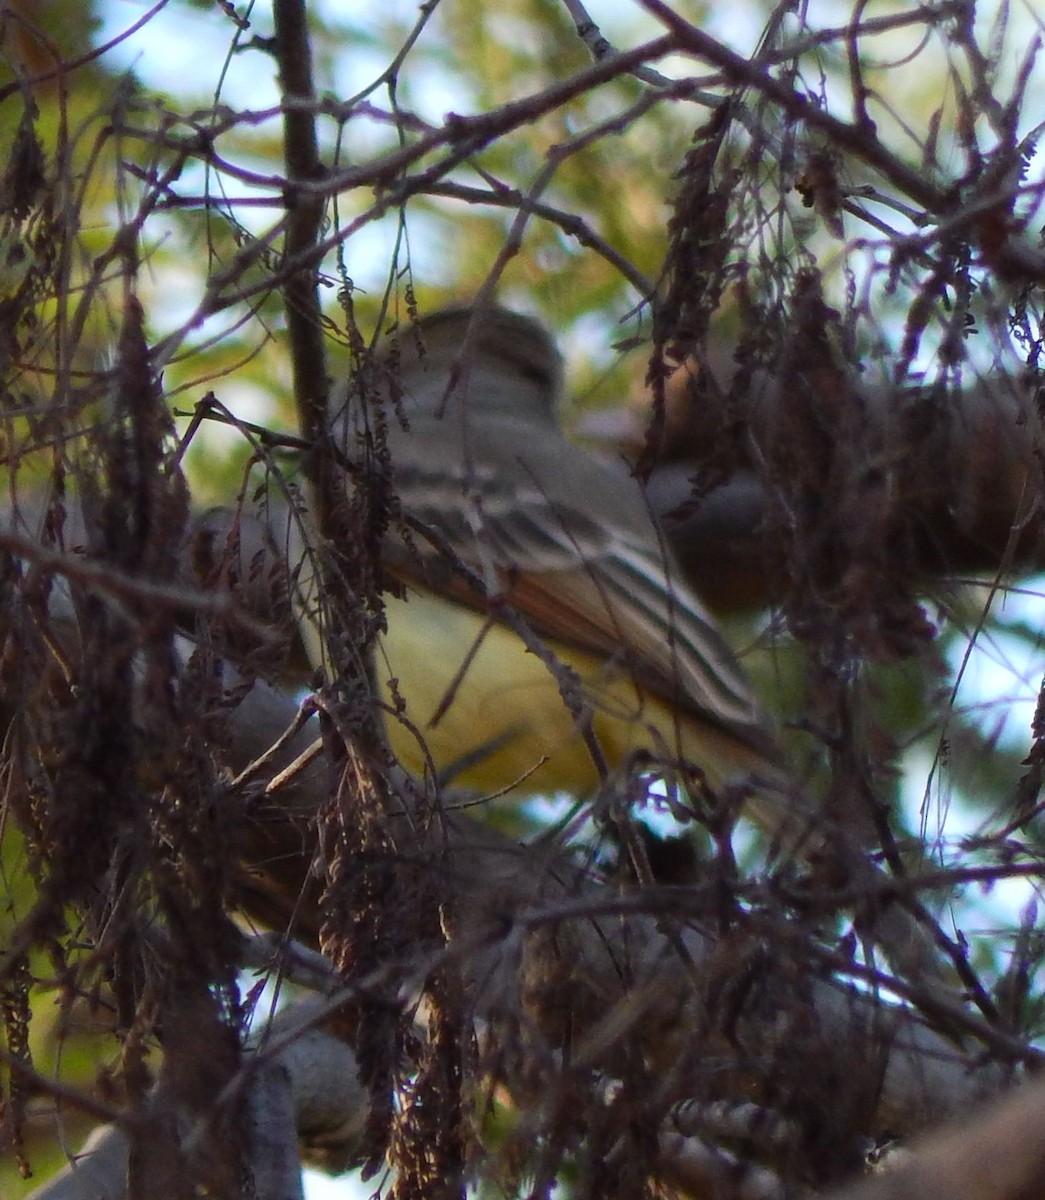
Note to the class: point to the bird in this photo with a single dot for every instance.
(540, 637)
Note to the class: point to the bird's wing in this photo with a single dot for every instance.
(599, 579)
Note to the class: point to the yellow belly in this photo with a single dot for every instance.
(506, 708)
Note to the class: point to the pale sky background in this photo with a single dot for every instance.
(183, 47)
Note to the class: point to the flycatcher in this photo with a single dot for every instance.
(543, 634)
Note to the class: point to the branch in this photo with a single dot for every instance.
(309, 1089)
(962, 475)
(996, 1152)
